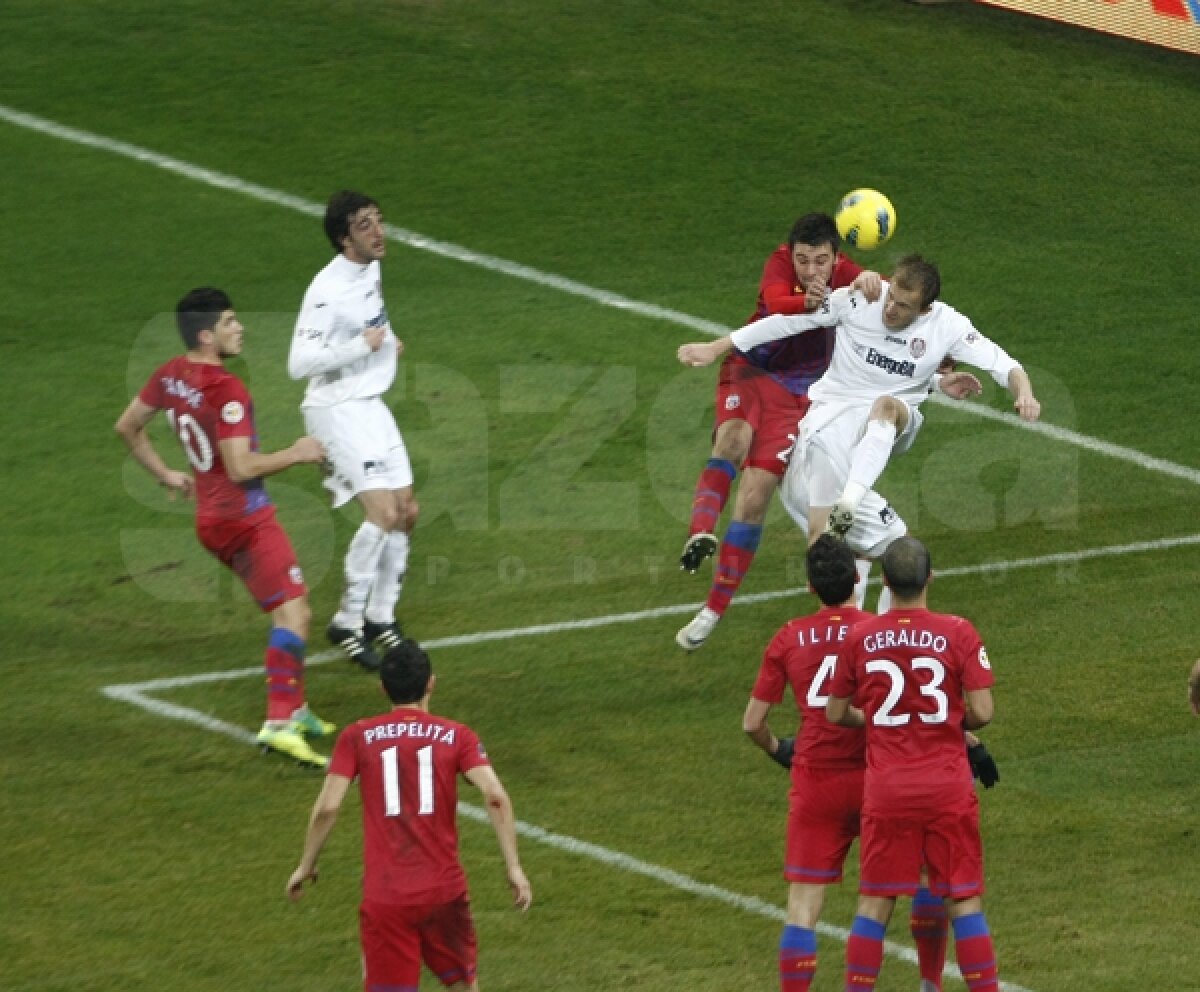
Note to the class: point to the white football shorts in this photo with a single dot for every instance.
(363, 446)
(876, 524)
(827, 439)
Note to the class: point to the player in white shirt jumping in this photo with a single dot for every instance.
(345, 347)
(890, 339)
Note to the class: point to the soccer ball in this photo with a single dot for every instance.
(865, 218)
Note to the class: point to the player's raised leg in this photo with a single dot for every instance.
(737, 551)
(731, 442)
(887, 419)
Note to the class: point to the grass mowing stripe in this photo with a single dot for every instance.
(516, 270)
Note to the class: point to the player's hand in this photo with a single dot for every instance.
(983, 765)
(295, 884)
(178, 483)
(374, 336)
(522, 893)
(1027, 407)
(960, 385)
(815, 294)
(697, 354)
(1194, 688)
(870, 284)
(785, 751)
(308, 451)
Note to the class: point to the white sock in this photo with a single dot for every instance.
(389, 579)
(870, 456)
(885, 600)
(362, 565)
(863, 567)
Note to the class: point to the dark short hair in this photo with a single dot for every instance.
(405, 672)
(831, 570)
(199, 311)
(913, 272)
(907, 567)
(343, 205)
(815, 229)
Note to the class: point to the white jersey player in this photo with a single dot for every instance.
(891, 338)
(344, 346)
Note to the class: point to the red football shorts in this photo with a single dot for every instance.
(823, 820)
(946, 842)
(396, 939)
(258, 551)
(747, 393)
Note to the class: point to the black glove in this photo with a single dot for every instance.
(785, 750)
(983, 765)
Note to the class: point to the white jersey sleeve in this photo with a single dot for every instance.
(978, 350)
(314, 350)
(781, 325)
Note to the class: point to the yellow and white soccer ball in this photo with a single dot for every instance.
(865, 218)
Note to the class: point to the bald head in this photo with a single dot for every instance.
(907, 568)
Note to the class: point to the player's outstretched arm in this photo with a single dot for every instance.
(1024, 402)
(500, 812)
(320, 823)
(700, 353)
(242, 464)
(754, 723)
(1194, 688)
(131, 426)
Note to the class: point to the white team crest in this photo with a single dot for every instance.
(972, 337)
(983, 658)
(296, 575)
(733, 402)
(917, 347)
(233, 412)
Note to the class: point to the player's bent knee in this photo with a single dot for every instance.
(732, 442)
(887, 408)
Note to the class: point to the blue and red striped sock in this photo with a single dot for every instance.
(929, 930)
(712, 493)
(976, 953)
(285, 673)
(733, 562)
(797, 959)
(864, 954)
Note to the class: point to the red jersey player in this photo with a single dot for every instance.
(761, 396)
(415, 905)
(211, 412)
(921, 679)
(827, 764)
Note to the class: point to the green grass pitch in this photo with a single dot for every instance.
(658, 153)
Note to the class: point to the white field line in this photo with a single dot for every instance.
(136, 694)
(265, 194)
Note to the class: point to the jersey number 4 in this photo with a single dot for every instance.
(391, 782)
